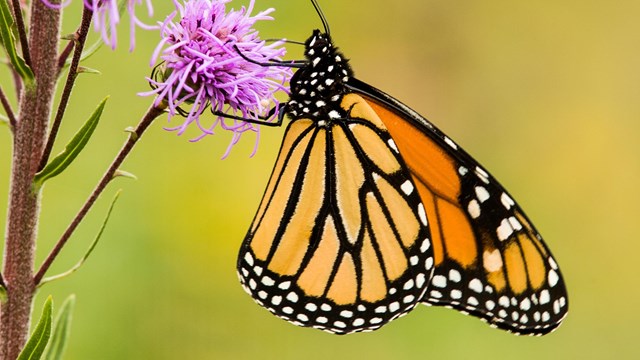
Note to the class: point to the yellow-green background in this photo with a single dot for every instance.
(545, 94)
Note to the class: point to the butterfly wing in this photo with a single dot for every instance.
(340, 241)
(490, 260)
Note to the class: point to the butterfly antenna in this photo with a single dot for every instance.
(325, 24)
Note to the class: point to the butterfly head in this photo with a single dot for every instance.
(317, 88)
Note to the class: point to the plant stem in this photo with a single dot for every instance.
(8, 110)
(24, 204)
(152, 113)
(87, 14)
(17, 14)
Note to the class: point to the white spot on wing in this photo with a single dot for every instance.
(450, 143)
(407, 187)
(482, 193)
(507, 202)
(392, 145)
(473, 209)
(492, 260)
(504, 230)
(553, 278)
(422, 214)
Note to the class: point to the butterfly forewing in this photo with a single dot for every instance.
(340, 241)
(490, 261)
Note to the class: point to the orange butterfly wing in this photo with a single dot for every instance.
(490, 261)
(340, 241)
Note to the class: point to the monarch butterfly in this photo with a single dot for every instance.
(371, 210)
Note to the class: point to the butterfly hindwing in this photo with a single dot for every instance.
(490, 260)
(340, 241)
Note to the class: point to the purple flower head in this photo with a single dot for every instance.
(203, 68)
(106, 17)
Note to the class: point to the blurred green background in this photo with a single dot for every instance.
(545, 94)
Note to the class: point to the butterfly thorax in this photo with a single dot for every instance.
(318, 87)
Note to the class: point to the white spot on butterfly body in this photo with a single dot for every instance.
(320, 103)
(328, 82)
(315, 61)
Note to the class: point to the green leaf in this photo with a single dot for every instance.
(21, 67)
(3, 294)
(89, 250)
(73, 148)
(61, 330)
(40, 336)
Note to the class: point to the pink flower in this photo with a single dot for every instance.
(204, 51)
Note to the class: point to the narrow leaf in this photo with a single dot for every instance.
(61, 330)
(40, 336)
(89, 250)
(125, 174)
(21, 67)
(86, 70)
(73, 148)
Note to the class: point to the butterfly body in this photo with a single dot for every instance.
(371, 210)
